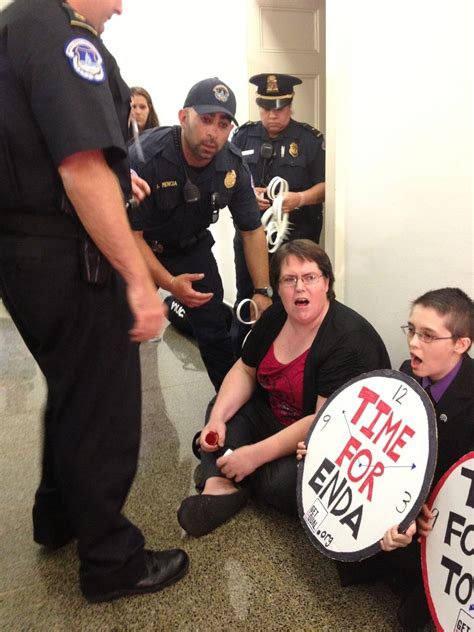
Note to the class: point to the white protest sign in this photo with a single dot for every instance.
(370, 462)
(447, 554)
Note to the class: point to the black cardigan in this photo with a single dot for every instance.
(454, 417)
(345, 346)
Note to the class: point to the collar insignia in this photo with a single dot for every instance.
(76, 19)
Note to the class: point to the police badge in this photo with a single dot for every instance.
(230, 179)
(293, 150)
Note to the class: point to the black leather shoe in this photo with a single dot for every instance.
(413, 613)
(163, 568)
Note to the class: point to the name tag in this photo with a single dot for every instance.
(248, 152)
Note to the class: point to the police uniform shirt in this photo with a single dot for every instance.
(58, 88)
(298, 154)
(165, 215)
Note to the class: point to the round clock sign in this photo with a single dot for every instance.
(371, 456)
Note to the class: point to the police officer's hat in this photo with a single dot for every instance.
(212, 95)
(273, 90)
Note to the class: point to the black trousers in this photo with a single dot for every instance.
(77, 333)
(208, 321)
(274, 482)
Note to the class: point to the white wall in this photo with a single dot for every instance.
(166, 48)
(400, 154)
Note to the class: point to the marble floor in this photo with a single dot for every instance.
(258, 572)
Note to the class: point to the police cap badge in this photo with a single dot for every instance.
(212, 95)
(274, 90)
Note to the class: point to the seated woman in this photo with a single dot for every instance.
(299, 352)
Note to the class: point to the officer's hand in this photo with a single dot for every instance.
(263, 203)
(147, 309)
(290, 201)
(263, 302)
(140, 187)
(183, 290)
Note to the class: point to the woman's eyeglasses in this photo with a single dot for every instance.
(292, 281)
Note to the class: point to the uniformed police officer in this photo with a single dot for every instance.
(193, 173)
(277, 145)
(64, 179)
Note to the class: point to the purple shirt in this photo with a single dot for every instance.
(439, 388)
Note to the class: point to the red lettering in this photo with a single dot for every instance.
(368, 397)
(361, 465)
(346, 452)
(377, 470)
(390, 429)
(383, 409)
(399, 442)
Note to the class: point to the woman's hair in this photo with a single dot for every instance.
(455, 305)
(152, 120)
(305, 250)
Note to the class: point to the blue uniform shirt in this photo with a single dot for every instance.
(164, 215)
(60, 93)
(298, 156)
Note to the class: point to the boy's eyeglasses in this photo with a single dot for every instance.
(410, 331)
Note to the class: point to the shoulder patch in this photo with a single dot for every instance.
(85, 60)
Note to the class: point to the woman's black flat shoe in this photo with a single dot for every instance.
(202, 514)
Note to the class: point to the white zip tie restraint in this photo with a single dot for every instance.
(239, 307)
(274, 221)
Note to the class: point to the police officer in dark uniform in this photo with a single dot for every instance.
(64, 182)
(194, 173)
(277, 145)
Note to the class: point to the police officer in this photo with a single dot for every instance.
(64, 179)
(277, 145)
(194, 172)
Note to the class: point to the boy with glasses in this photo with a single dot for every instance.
(439, 332)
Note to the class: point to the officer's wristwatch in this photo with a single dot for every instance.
(266, 291)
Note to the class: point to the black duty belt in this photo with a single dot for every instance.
(20, 223)
(184, 246)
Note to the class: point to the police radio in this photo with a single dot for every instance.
(266, 152)
(191, 192)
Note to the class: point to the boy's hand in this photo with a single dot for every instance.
(424, 522)
(393, 539)
(301, 450)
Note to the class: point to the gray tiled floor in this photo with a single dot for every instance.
(258, 572)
